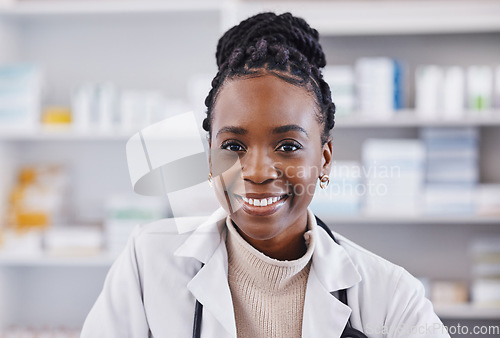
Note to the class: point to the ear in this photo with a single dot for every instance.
(327, 158)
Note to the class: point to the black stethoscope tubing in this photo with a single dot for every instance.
(349, 331)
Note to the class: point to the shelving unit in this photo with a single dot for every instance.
(410, 119)
(62, 134)
(102, 260)
(161, 44)
(330, 18)
(387, 17)
(79, 7)
(402, 119)
(467, 311)
(69, 134)
(425, 219)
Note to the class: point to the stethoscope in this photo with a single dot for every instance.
(349, 331)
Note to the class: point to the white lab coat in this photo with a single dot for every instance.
(150, 290)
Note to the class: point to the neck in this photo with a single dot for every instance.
(288, 245)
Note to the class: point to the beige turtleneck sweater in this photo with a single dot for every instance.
(268, 294)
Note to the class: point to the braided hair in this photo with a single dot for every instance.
(281, 45)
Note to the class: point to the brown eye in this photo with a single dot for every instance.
(232, 146)
(289, 147)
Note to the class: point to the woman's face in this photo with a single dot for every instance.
(266, 143)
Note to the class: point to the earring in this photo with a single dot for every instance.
(324, 181)
(210, 180)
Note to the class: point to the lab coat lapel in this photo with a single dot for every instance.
(332, 263)
(210, 285)
(211, 288)
(324, 314)
(205, 239)
(331, 270)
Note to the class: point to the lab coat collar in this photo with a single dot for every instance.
(205, 239)
(331, 270)
(211, 288)
(210, 285)
(324, 315)
(331, 263)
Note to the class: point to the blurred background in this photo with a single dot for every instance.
(416, 142)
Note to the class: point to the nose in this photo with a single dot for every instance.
(258, 167)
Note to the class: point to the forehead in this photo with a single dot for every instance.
(264, 100)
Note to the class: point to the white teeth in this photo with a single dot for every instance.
(261, 202)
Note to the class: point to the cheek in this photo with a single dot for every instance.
(225, 165)
(302, 176)
(304, 184)
(224, 193)
(226, 171)
(302, 169)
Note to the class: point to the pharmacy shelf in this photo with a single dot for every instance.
(69, 134)
(467, 311)
(410, 119)
(330, 18)
(44, 260)
(400, 119)
(61, 134)
(387, 17)
(22, 8)
(425, 219)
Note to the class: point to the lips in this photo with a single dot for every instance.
(262, 204)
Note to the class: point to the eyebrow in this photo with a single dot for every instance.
(231, 129)
(277, 130)
(289, 127)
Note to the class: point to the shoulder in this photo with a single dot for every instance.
(170, 232)
(153, 245)
(369, 263)
(379, 273)
(388, 297)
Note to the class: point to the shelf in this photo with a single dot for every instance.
(381, 219)
(387, 17)
(103, 260)
(63, 134)
(409, 119)
(68, 134)
(467, 311)
(330, 18)
(401, 119)
(80, 7)
(35, 29)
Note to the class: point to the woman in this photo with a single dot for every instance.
(263, 265)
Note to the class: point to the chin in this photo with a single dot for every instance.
(259, 227)
(257, 231)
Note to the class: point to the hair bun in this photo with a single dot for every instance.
(286, 29)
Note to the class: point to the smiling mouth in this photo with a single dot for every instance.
(262, 202)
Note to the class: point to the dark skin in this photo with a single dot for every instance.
(268, 128)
